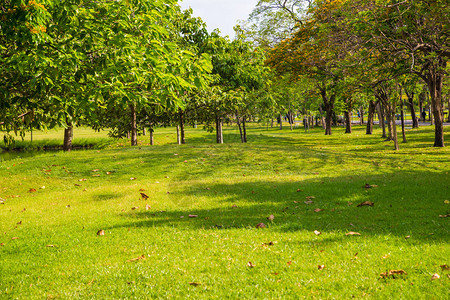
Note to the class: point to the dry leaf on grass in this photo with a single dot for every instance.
(250, 264)
(82, 179)
(260, 225)
(444, 216)
(193, 216)
(445, 267)
(132, 178)
(134, 208)
(370, 186)
(147, 207)
(137, 258)
(2, 244)
(32, 190)
(268, 244)
(271, 217)
(309, 202)
(353, 233)
(234, 206)
(299, 190)
(289, 263)
(318, 210)
(392, 273)
(365, 203)
(321, 267)
(108, 173)
(101, 232)
(195, 283)
(95, 175)
(317, 232)
(76, 184)
(310, 197)
(144, 196)
(435, 276)
(95, 170)
(51, 246)
(14, 238)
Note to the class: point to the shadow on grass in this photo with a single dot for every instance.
(404, 205)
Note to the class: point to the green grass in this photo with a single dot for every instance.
(205, 179)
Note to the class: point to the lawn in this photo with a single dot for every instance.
(76, 225)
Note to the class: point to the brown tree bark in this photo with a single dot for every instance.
(371, 113)
(415, 123)
(182, 136)
(244, 129)
(133, 125)
(329, 106)
(68, 137)
(348, 121)
(219, 132)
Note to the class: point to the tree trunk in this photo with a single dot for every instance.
(421, 108)
(152, 141)
(329, 105)
(435, 88)
(415, 123)
(244, 129)
(133, 125)
(31, 133)
(240, 128)
(448, 118)
(390, 119)
(178, 135)
(348, 121)
(403, 122)
(182, 136)
(369, 128)
(361, 116)
(144, 131)
(281, 121)
(219, 132)
(381, 119)
(68, 137)
(394, 130)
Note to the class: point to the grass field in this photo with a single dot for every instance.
(55, 204)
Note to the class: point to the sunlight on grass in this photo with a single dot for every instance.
(50, 247)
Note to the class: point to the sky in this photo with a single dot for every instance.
(222, 14)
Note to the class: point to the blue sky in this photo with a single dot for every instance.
(222, 14)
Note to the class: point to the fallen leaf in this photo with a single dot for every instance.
(181, 217)
(32, 190)
(234, 206)
(2, 244)
(309, 202)
(274, 273)
(353, 233)
(321, 267)
(350, 203)
(137, 258)
(68, 206)
(317, 232)
(392, 273)
(14, 238)
(144, 196)
(445, 267)
(24, 209)
(132, 178)
(369, 186)
(47, 171)
(271, 217)
(193, 216)
(96, 170)
(185, 161)
(260, 225)
(147, 207)
(365, 203)
(131, 282)
(194, 283)
(444, 216)
(299, 190)
(76, 184)
(289, 263)
(108, 173)
(134, 208)
(407, 237)
(310, 197)
(51, 246)
(95, 175)
(101, 232)
(435, 276)
(19, 223)
(386, 256)
(318, 210)
(42, 187)
(269, 244)
(250, 264)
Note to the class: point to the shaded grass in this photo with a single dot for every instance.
(203, 179)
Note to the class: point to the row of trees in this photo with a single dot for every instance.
(133, 65)
(121, 65)
(362, 53)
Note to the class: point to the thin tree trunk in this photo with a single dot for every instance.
(390, 118)
(144, 131)
(240, 128)
(348, 121)
(371, 113)
(182, 136)
(244, 129)
(31, 133)
(329, 105)
(68, 137)
(361, 114)
(435, 88)
(219, 132)
(281, 121)
(150, 129)
(403, 121)
(415, 123)
(133, 125)
(178, 135)
(381, 119)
